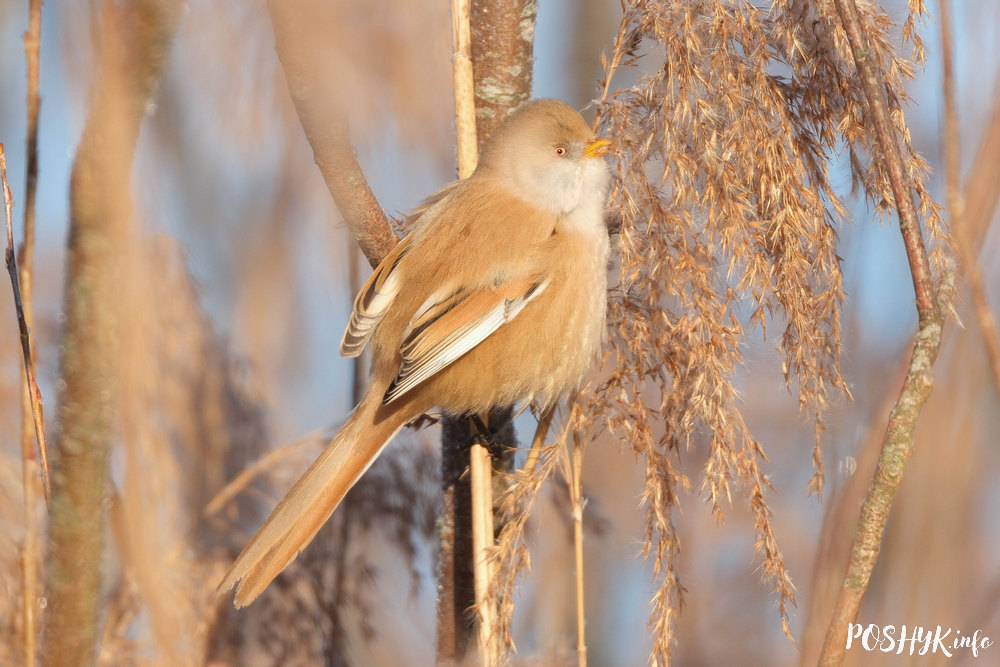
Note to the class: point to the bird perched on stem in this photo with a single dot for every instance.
(497, 296)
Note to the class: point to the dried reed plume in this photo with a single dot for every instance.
(728, 221)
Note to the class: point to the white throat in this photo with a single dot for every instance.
(566, 188)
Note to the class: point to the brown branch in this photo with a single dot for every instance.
(325, 128)
(133, 48)
(893, 162)
(455, 573)
(503, 41)
(897, 447)
(840, 517)
(35, 396)
(368, 223)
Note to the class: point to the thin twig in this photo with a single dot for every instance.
(465, 99)
(29, 369)
(893, 163)
(616, 59)
(29, 457)
(951, 137)
(897, 446)
(544, 421)
(576, 499)
(252, 472)
(480, 468)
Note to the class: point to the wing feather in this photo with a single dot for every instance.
(373, 301)
(444, 329)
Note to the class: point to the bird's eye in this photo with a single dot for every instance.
(560, 151)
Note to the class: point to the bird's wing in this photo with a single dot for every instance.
(373, 301)
(430, 202)
(447, 326)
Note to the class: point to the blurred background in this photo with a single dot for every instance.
(257, 271)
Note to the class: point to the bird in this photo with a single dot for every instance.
(497, 297)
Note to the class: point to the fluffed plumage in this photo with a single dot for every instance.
(497, 296)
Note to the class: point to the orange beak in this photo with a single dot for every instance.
(598, 147)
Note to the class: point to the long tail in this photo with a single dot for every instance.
(299, 516)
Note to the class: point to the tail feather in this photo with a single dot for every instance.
(311, 501)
